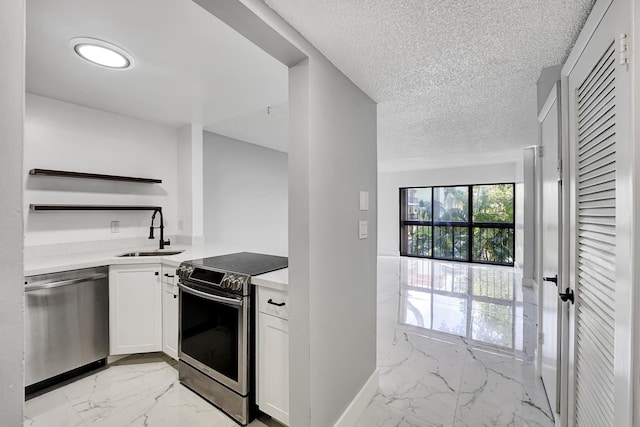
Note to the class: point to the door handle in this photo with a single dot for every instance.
(40, 286)
(567, 295)
(553, 279)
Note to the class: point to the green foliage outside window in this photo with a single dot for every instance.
(419, 240)
(493, 203)
(442, 225)
(451, 203)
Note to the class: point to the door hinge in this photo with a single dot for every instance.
(560, 167)
(540, 338)
(624, 48)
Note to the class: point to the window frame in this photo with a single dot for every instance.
(470, 225)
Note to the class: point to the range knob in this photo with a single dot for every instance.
(184, 271)
(225, 283)
(237, 284)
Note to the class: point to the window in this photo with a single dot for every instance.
(473, 223)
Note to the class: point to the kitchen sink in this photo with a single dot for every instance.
(151, 253)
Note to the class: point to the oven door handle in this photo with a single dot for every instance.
(229, 301)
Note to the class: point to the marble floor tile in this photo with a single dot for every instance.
(501, 390)
(421, 377)
(126, 383)
(380, 414)
(478, 302)
(51, 410)
(140, 390)
(456, 347)
(172, 406)
(388, 272)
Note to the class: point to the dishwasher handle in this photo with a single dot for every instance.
(51, 285)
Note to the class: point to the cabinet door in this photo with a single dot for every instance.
(273, 359)
(170, 320)
(135, 309)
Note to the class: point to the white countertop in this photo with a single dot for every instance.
(278, 279)
(35, 265)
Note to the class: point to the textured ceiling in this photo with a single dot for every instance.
(452, 79)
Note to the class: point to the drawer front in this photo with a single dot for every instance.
(275, 303)
(169, 275)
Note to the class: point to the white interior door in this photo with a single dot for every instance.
(550, 324)
(600, 218)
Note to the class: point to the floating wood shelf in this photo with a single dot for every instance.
(83, 175)
(35, 207)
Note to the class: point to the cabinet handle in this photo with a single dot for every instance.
(171, 276)
(157, 273)
(175, 296)
(279, 304)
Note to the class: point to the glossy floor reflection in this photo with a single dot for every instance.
(456, 347)
(478, 302)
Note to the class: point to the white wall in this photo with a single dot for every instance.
(60, 135)
(12, 45)
(332, 273)
(190, 182)
(389, 185)
(245, 195)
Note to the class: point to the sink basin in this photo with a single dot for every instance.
(151, 253)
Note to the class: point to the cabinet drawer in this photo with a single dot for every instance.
(275, 303)
(169, 275)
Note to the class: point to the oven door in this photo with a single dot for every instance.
(214, 335)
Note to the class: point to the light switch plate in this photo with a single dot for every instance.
(364, 200)
(363, 229)
(115, 226)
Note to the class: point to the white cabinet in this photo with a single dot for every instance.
(170, 309)
(273, 354)
(135, 309)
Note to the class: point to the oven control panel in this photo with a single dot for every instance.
(233, 282)
(184, 271)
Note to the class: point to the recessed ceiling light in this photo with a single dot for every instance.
(102, 53)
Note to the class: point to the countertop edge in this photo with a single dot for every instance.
(279, 286)
(275, 279)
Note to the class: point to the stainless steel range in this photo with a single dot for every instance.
(216, 348)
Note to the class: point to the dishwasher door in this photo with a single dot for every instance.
(66, 322)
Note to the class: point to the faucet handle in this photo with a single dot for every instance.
(167, 242)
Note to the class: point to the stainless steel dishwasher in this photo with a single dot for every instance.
(66, 325)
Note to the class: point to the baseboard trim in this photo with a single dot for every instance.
(113, 359)
(356, 408)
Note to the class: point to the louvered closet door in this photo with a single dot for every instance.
(601, 220)
(596, 245)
